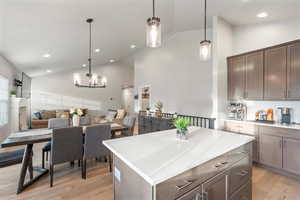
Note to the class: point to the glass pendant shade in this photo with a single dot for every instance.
(205, 50)
(76, 78)
(153, 32)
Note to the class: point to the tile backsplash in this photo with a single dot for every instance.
(254, 106)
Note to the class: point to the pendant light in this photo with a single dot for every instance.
(205, 45)
(92, 80)
(153, 30)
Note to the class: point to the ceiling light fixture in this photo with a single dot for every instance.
(46, 55)
(92, 80)
(84, 65)
(153, 30)
(48, 71)
(205, 45)
(97, 50)
(132, 46)
(111, 60)
(262, 15)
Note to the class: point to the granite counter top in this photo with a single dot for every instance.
(276, 124)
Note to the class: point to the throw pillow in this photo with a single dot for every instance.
(37, 115)
(111, 115)
(120, 114)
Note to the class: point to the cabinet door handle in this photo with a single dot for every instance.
(188, 182)
(221, 164)
(243, 173)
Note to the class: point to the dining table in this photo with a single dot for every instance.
(34, 136)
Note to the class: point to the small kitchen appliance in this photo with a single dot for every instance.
(284, 115)
(237, 111)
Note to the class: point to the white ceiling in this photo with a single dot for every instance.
(31, 28)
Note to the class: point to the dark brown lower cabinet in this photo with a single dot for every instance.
(245, 193)
(291, 158)
(215, 189)
(270, 148)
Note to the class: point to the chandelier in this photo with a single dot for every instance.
(91, 80)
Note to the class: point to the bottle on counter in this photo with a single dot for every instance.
(270, 115)
(257, 116)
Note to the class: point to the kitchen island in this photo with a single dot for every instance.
(211, 164)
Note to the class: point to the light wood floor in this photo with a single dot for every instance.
(98, 185)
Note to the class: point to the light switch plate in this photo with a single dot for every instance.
(117, 174)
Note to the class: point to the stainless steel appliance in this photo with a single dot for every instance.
(284, 115)
(237, 111)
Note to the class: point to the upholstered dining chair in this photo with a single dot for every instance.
(129, 122)
(93, 147)
(53, 124)
(66, 146)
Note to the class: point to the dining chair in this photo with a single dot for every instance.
(129, 122)
(53, 123)
(66, 146)
(93, 146)
(9, 158)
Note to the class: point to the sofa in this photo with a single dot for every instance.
(40, 118)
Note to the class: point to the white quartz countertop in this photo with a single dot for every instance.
(159, 156)
(276, 124)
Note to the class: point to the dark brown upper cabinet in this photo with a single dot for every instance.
(275, 73)
(254, 76)
(236, 77)
(267, 74)
(293, 71)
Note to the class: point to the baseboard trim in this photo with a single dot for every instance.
(278, 171)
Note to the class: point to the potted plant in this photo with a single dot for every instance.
(76, 114)
(181, 125)
(13, 93)
(159, 105)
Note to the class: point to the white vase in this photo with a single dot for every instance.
(76, 120)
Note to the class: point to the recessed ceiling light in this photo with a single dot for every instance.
(46, 55)
(111, 60)
(84, 65)
(97, 50)
(262, 15)
(48, 71)
(132, 46)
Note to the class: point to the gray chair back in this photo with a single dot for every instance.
(66, 145)
(94, 135)
(84, 120)
(58, 123)
(129, 122)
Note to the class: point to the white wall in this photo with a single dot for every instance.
(176, 75)
(61, 85)
(222, 48)
(9, 71)
(256, 36)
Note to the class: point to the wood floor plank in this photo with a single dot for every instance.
(68, 183)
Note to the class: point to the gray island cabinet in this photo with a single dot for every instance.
(210, 165)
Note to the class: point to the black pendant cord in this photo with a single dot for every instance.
(90, 51)
(153, 4)
(204, 19)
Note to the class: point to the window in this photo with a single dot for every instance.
(3, 100)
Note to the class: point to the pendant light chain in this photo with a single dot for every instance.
(90, 51)
(153, 4)
(204, 19)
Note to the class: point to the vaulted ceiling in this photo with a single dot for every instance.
(32, 28)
